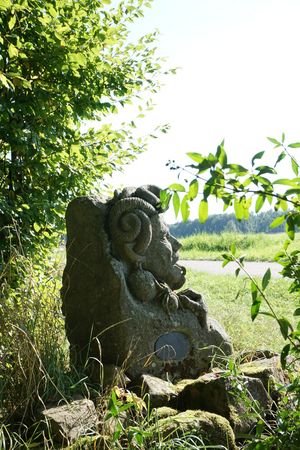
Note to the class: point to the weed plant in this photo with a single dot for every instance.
(34, 368)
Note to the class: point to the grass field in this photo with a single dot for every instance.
(233, 312)
(257, 247)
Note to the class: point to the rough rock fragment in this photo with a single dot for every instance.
(268, 370)
(235, 398)
(204, 427)
(68, 422)
(160, 392)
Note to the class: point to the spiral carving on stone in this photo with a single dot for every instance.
(129, 224)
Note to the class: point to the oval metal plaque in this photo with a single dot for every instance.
(172, 346)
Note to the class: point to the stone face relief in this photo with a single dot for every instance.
(120, 291)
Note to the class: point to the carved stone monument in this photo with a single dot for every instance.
(120, 291)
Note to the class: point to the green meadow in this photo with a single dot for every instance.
(256, 247)
(229, 300)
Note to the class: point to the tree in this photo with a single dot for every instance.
(63, 63)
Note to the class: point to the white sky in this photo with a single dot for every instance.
(239, 80)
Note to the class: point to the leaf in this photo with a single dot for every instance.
(284, 354)
(280, 158)
(295, 166)
(12, 22)
(78, 58)
(255, 308)
(278, 221)
(176, 187)
(12, 51)
(295, 145)
(297, 312)
(233, 248)
(6, 82)
(254, 290)
(258, 155)
(221, 155)
(227, 259)
(237, 271)
(52, 10)
(5, 4)
(285, 181)
(195, 157)
(292, 191)
(36, 227)
(259, 202)
(274, 141)
(203, 211)
(176, 203)
(246, 202)
(266, 279)
(283, 205)
(290, 227)
(237, 168)
(185, 209)
(165, 198)
(193, 189)
(265, 169)
(284, 327)
(238, 209)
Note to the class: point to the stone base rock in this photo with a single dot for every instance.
(160, 392)
(235, 398)
(68, 422)
(164, 411)
(207, 428)
(268, 370)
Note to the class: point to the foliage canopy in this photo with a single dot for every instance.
(62, 63)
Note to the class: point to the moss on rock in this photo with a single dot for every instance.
(269, 371)
(164, 411)
(211, 428)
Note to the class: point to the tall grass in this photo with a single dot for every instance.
(257, 247)
(34, 367)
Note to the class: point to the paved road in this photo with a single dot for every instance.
(215, 267)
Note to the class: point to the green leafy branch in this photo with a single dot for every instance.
(237, 186)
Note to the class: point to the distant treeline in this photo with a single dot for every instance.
(221, 223)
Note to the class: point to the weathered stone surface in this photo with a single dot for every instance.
(211, 429)
(235, 398)
(160, 392)
(268, 370)
(252, 355)
(68, 422)
(164, 411)
(120, 295)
